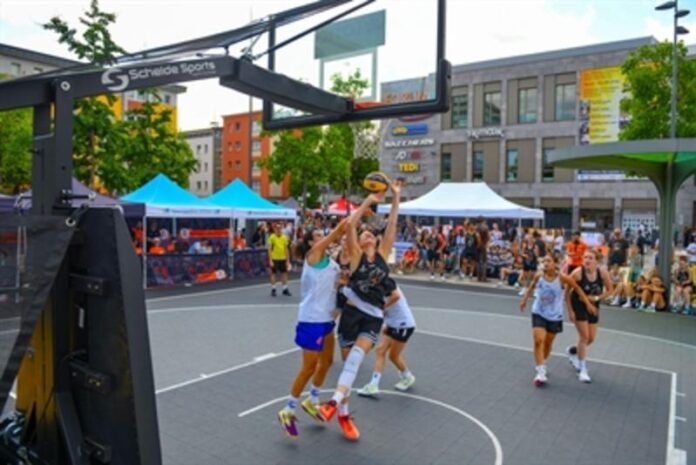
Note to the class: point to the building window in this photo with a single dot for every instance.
(565, 102)
(460, 108)
(256, 170)
(526, 106)
(256, 185)
(237, 146)
(16, 68)
(167, 99)
(229, 164)
(256, 147)
(237, 126)
(206, 185)
(198, 149)
(511, 166)
(198, 185)
(238, 165)
(446, 167)
(205, 167)
(547, 169)
(255, 128)
(491, 109)
(477, 169)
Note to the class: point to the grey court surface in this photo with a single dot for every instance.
(224, 360)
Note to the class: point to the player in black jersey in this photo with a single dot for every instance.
(361, 321)
(595, 281)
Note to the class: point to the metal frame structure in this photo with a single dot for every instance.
(87, 390)
(666, 162)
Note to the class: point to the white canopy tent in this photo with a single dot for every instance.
(466, 200)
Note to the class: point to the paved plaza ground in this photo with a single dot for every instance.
(224, 359)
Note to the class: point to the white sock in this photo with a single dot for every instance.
(314, 394)
(343, 410)
(583, 365)
(285, 287)
(405, 374)
(541, 369)
(337, 397)
(376, 377)
(292, 404)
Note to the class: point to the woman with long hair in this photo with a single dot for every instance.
(596, 283)
(547, 311)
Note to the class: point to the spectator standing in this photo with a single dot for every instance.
(279, 258)
(482, 238)
(576, 250)
(618, 247)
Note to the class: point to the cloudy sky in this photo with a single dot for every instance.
(477, 30)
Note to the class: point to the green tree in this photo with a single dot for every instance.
(297, 153)
(120, 154)
(153, 147)
(648, 72)
(15, 150)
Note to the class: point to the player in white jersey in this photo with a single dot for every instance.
(547, 310)
(399, 325)
(314, 330)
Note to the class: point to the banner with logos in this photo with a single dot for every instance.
(600, 119)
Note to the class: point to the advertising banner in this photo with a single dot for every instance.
(601, 91)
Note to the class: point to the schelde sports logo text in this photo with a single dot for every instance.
(117, 79)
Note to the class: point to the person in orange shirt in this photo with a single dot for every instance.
(239, 242)
(576, 249)
(156, 248)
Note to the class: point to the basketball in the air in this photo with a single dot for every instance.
(376, 182)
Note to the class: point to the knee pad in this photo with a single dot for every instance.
(351, 366)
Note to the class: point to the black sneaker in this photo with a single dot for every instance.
(273, 293)
(287, 292)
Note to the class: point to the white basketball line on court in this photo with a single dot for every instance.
(249, 306)
(203, 377)
(206, 293)
(674, 455)
(494, 439)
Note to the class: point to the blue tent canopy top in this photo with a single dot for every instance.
(164, 198)
(246, 203)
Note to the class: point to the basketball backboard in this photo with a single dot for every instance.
(396, 47)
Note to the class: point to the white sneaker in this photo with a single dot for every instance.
(540, 379)
(405, 383)
(573, 359)
(443, 277)
(399, 272)
(432, 277)
(522, 291)
(627, 304)
(616, 302)
(369, 390)
(584, 377)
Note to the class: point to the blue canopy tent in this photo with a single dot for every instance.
(247, 204)
(163, 198)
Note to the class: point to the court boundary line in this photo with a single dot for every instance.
(498, 448)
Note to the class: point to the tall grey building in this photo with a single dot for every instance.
(207, 148)
(507, 114)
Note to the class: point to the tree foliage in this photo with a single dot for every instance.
(318, 156)
(118, 155)
(648, 72)
(15, 150)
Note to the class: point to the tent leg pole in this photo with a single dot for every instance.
(144, 252)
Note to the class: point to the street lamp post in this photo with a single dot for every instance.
(669, 194)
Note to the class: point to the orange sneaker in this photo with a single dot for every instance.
(350, 431)
(328, 410)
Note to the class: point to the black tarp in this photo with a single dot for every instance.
(130, 209)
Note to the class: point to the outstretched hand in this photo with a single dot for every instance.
(376, 197)
(396, 187)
